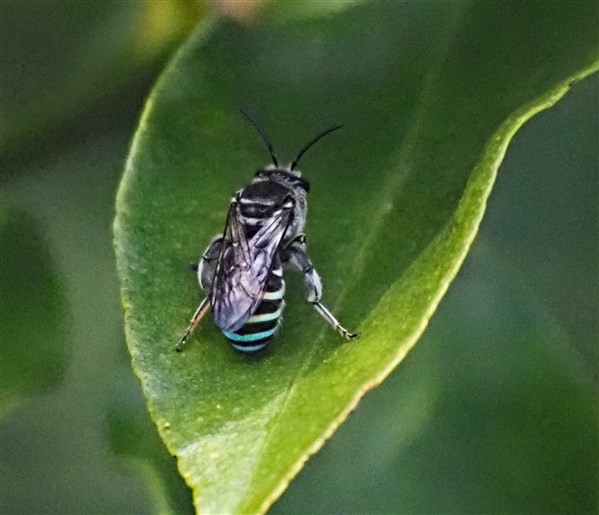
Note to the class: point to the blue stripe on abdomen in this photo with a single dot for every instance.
(249, 348)
(250, 337)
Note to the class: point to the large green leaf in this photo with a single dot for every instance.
(429, 100)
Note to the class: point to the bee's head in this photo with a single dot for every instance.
(286, 176)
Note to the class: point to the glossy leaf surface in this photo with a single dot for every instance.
(396, 201)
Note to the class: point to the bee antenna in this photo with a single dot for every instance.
(310, 143)
(264, 136)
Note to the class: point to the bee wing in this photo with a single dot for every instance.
(243, 267)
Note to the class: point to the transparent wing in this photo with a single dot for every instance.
(243, 267)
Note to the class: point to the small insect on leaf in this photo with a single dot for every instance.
(241, 270)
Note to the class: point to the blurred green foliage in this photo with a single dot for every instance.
(64, 62)
(495, 409)
(32, 309)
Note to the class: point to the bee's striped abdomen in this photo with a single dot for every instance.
(263, 324)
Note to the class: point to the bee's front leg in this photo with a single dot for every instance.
(295, 256)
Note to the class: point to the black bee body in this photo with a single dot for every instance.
(241, 271)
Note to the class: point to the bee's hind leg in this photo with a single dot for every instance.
(197, 316)
(329, 317)
(296, 257)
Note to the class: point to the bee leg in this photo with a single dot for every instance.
(295, 256)
(198, 315)
(328, 316)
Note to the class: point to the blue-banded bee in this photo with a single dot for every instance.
(241, 271)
